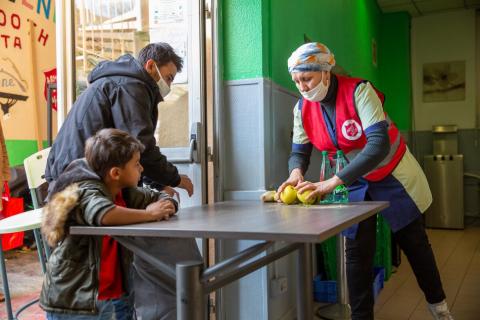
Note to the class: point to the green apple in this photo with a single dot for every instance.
(303, 197)
(288, 195)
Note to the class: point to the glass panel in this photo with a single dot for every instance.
(107, 29)
(173, 125)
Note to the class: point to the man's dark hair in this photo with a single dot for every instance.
(162, 53)
(110, 148)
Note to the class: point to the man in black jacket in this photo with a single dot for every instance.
(122, 94)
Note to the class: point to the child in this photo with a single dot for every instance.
(85, 278)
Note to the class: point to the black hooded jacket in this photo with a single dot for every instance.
(121, 95)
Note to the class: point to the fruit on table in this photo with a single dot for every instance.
(303, 197)
(288, 195)
(268, 196)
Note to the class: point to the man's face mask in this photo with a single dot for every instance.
(162, 85)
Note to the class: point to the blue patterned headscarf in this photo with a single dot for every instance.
(312, 56)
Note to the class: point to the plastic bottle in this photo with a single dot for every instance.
(325, 174)
(340, 193)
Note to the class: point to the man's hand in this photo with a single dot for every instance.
(171, 192)
(161, 209)
(295, 178)
(186, 183)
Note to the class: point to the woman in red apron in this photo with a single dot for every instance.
(344, 113)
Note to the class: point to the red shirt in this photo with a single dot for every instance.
(110, 275)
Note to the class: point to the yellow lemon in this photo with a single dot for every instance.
(303, 197)
(288, 195)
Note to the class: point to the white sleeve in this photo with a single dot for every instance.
(368, 105)
(299, 135)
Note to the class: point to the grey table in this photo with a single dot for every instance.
(298, 225)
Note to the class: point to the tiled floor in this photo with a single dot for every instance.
(458, 257)
(457, 254)
(24, 277)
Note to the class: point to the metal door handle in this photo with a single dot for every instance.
(193, 149)
(190, 153)
(195, 140)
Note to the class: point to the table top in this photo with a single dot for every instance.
(24, 221)
(252, 220)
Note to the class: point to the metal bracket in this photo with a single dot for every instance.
(195, 140)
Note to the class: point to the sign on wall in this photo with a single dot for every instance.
(444, 81)
(13, 87)
(169, 23)
(27, 64)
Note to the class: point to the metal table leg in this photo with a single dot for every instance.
(340, 310)
(190, 294)
(193, 285)
(6, 290)
(304, 283)
(40, 251)
(24, 307)
(47, 249)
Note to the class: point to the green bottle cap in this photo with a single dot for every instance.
(324, 152)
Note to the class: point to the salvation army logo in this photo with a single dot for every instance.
(351, 130)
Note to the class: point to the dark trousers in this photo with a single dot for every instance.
(360, 253)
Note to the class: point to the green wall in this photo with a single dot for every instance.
(394, 66)
(260, 35)
(18, 150)
(346, 27)
(243, 39)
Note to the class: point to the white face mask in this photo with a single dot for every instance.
(162, 85)
(318, 93)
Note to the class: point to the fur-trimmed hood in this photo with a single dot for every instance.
(63, 199)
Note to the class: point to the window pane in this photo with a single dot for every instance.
(108, 29)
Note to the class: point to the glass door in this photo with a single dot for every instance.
(107, 29)
(90, 31)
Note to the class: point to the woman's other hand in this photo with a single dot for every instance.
(319, 189)
(295, 178)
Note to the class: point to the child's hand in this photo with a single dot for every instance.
(161, 210)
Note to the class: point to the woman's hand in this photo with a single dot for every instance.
(319, 189)
(295, 178)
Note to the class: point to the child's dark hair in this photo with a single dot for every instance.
(110, 148)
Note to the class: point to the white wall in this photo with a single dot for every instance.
(440, 38)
